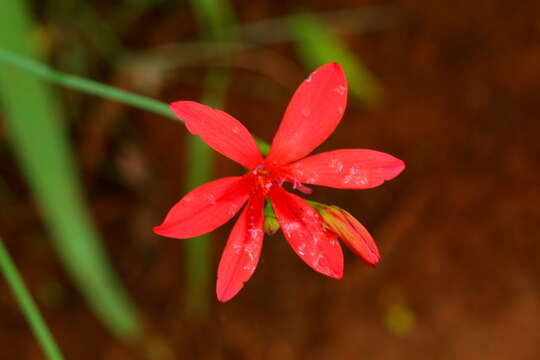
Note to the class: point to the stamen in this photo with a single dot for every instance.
(302, 188)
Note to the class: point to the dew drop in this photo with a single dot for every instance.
(237, 248)
(253, 233)
(314, 177)
(337, 165)
(361, 181)
(340, 90)
(250, 254)
(290, 227)
(211, 199)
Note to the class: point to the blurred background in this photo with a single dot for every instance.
(450, 87)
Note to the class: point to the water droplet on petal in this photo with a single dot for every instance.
(211, 199)
(312, 179)
(337, 165)
(253, 233)
(301, 249)
(237, 248)
(340, 90)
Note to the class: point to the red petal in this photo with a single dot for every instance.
(302, 227)
(312, 115)
(241, 255)
(347, 169)
(220, 131)
(206, 208)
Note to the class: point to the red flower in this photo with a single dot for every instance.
(312, 115)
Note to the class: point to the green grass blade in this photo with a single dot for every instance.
(215, 18)
(84, 85)
(27, 305)
(197, 250)
(318, 44)
(200, 157)
(33, 120)
(95, 88)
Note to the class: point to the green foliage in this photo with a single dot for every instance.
(318, 44)
(215, 18)
(34, 124)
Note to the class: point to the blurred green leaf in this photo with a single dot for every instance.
(318, 44)
(215, 18)
(34, 124)
(198, 264)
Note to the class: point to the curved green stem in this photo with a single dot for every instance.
(96, 88)
(85, 85)
(29, 308)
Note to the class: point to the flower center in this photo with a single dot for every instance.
(265, 177)
(268, 174)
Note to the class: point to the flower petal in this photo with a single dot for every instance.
(220, 131)
(347, 169)
(241, 254)
(206, 208)
(313, 113)
(302, 227)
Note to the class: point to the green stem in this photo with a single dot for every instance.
(85, 85)
(197, 257)
(96, 88)
(214, 17)
(34, 124)
(29, 308)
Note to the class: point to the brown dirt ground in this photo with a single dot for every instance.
(458, 230)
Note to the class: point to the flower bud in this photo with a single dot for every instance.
(270, 225)
(351, 232)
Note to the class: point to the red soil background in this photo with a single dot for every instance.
(458, 230)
